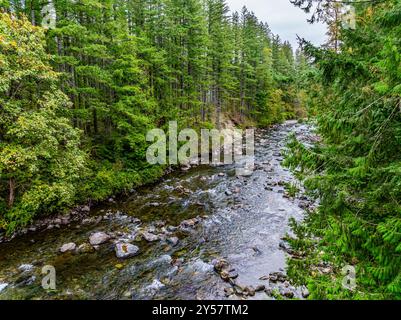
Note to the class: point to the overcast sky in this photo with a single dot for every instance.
(284, 19)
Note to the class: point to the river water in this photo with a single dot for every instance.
(238, 219)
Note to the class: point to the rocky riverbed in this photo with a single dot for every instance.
(202, 233)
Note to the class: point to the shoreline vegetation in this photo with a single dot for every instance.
(349, 248)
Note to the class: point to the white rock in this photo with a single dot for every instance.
(150, 237)
(25, 267)
(68, 247)
(126, 250)
(98, 238)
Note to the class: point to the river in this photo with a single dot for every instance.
(237, 221)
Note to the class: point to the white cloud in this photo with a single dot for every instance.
(284, 19)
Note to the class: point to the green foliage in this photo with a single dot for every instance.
(40, 159)
(78, 98)
(355, 171)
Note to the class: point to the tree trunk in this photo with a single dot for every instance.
(11, 197)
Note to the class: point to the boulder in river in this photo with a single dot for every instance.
(98, 238)
(150, 237)
(68, 247)
(126, 250)
(173, 241)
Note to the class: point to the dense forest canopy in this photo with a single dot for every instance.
(82, 81)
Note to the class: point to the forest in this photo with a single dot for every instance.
(355, 170)
(82, 81)
(78, 98)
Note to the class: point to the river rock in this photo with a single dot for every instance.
(154, 287)
(65, 220)
(68, 247)
(25, 279)
(85, 248)
(150, 237)
(172, 228)
(173, 241)
(228, 275)
(229, 292)
(190, 223)
(287, 293)
(126, 250)
(98, 238)
(260, 288)
(154, 204)
(26, 268)
(85, 209)
(305, 292)
(220, 265)
(277, 277)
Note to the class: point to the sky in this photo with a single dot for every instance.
(284, 19)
